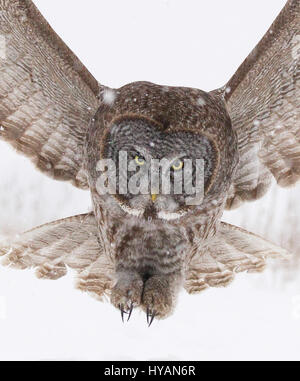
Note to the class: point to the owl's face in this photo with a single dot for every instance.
(158, 174)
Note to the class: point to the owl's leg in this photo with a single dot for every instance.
(127, 292)
(160, 294)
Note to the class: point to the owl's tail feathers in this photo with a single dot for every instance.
(51, 248)
(231, 250)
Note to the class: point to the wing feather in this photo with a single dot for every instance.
(230, 251)
(263, 100)
(47, 97)
(51, 248)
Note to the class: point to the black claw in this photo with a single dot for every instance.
(150, 316)
(130, 311)
(122, 312)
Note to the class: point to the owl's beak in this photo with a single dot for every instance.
(153, 197)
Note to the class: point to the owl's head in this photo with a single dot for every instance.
(160, 150)
(154, 173)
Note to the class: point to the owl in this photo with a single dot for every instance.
(161, 163)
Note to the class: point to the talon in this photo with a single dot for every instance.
(150, 316)
(130, 311)
(122, 312)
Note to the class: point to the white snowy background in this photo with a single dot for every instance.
(196, 43)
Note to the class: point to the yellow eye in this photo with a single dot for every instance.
(178, 165)
(139, 160)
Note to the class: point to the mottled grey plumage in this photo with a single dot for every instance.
(137, 251)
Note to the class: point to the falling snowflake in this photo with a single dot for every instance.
(201, 102)
(109, 97)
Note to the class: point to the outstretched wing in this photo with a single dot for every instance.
(68, 242)
(47, 97)
(263, 100)
(230, 251)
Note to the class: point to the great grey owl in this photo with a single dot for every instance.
(141, 248)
